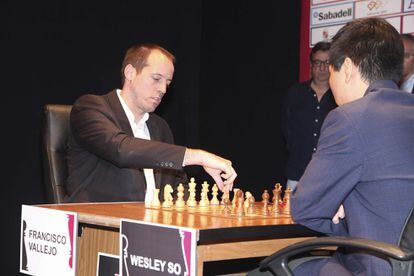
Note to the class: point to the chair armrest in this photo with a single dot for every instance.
(281, 257)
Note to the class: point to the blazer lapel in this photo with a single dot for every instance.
(155, 135)
(154, 129)
(119, 112)
(123, 123)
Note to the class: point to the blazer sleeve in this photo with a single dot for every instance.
(95, 128)
(333, 172)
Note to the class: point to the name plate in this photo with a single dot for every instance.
(155, 249)
(47, 242)
(107, 265)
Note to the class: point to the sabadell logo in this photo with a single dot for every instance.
(332, 15)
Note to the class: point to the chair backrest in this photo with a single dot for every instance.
(55, 136)
(407, 235)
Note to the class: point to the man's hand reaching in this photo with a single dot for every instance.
(216, 166)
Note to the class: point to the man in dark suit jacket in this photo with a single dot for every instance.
(120, 150)
(364, 164)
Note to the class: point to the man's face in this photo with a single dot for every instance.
(320, 66)
(408, 59)
(149, 86)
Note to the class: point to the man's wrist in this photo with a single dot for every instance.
(188, 157)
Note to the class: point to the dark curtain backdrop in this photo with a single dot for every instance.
(235, 60)
(249, 58)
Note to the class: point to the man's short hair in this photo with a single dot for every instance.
(320, 46)
(137, 56)
(373, 45)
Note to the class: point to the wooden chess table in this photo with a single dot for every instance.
(220, 236)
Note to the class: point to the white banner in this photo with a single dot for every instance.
(319, 2)
(324, 33)
(408, 24)
(327, 17)
(332, 14)
(408, 5)
(48, 242)
(377, 8)
(395, 22)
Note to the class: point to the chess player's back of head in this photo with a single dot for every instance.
(374, 47)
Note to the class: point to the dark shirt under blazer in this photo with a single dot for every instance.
(365, 161)
(302, 119)
(105, 160)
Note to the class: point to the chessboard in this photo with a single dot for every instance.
(242, 206)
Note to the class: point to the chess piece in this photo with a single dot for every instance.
(214, 200)
(233, 202)
(265, 196)
(226, 203)
(155, 203)
(277, 192)
(276, 199)
(191, 202)
(204, 202)
(224, 196)
(251, 208)
(265, 201)
(168, 199)
(246, 201)
(180, 203)
(240, 203)
(286, 201)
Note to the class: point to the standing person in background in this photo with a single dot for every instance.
(305, 108)
(407, 80)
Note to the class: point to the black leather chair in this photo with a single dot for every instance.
(401, 257)
(55, 135)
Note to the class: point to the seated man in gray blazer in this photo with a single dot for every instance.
(120, 150)
(364, 163)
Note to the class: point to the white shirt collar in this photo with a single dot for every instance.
(408, 84)
(140, 130)
(128, 112)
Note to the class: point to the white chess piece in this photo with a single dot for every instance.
(180, 203)
(156, 200)
(247, 196)
(168, 199)
(204, 202)
(233, 202)
(191, 202)
(214, 200)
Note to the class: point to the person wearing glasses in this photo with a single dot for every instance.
(407, 80)
(305, 108)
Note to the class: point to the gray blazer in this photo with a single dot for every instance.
(105, 160)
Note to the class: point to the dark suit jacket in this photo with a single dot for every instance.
(105, 160)
(365, 161)
(302, 118)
